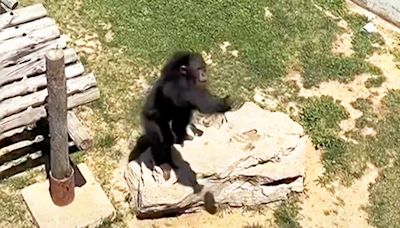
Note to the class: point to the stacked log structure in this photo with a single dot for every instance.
(26, 35)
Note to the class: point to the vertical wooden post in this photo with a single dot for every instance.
(61, 174)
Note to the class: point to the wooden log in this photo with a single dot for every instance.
(30, 116)
(17, 104)
(83, 98)
(57, 111)
(26, 29)
(21, 160)
(22, 15)
(22, 119)
(32, 157)
(13, 46)
(11, 4)
(30, 53)
(19, 148)
(22, 148)
(33, 84)
(79, 133)
(80, 84)
(75, 100)
(34, 66)
(13, 132)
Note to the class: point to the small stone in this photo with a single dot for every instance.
(369, 28)
(267, 13)
(109, 36)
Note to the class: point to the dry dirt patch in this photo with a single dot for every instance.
(337, 206)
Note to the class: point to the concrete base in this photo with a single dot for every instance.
(89, 208)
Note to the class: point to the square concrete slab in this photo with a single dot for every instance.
(89, 208)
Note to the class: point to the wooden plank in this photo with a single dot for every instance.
(13, 132)
(24, 118)
(34, 66)
(16, 151)
(80, 84)
(34, 157)
(26, 29)
(21, 160)
(29, 54)
(13, 46)
(19, 146)
(33, 84)
(22, 15)
(78, 132)
(20, 103)
(11, 4)
(86, 97)
(75, 100)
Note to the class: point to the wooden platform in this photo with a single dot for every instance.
(26, 34)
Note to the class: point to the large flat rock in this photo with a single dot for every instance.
(253, 158)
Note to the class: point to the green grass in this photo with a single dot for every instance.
(13, 211)
(287, 214)
(253, 225)
(375, 81)
(152, 30)
(320, 118)
(385, 207)
(369, 118)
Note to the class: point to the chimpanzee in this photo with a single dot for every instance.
(169, 106)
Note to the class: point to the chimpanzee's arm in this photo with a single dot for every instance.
(202, 100)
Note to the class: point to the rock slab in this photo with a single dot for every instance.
(90, 207)
(388, 9)
(253, 158)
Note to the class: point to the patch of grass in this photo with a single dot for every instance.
(330, 67)
(297, 30)
(362, 42)
(396, 53)
(254, 225)
(386, 145)
(78, 157)
(116, 221)
(369, 117)
(337, 6)
(105, 140)
(320, 118)
(375, 81)
(287, 214)
(13, 210)
(392, 101)
(384, 208)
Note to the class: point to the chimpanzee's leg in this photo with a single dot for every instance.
(179, 123)
(160, 139)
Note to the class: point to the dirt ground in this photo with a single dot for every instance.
(332, 206)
